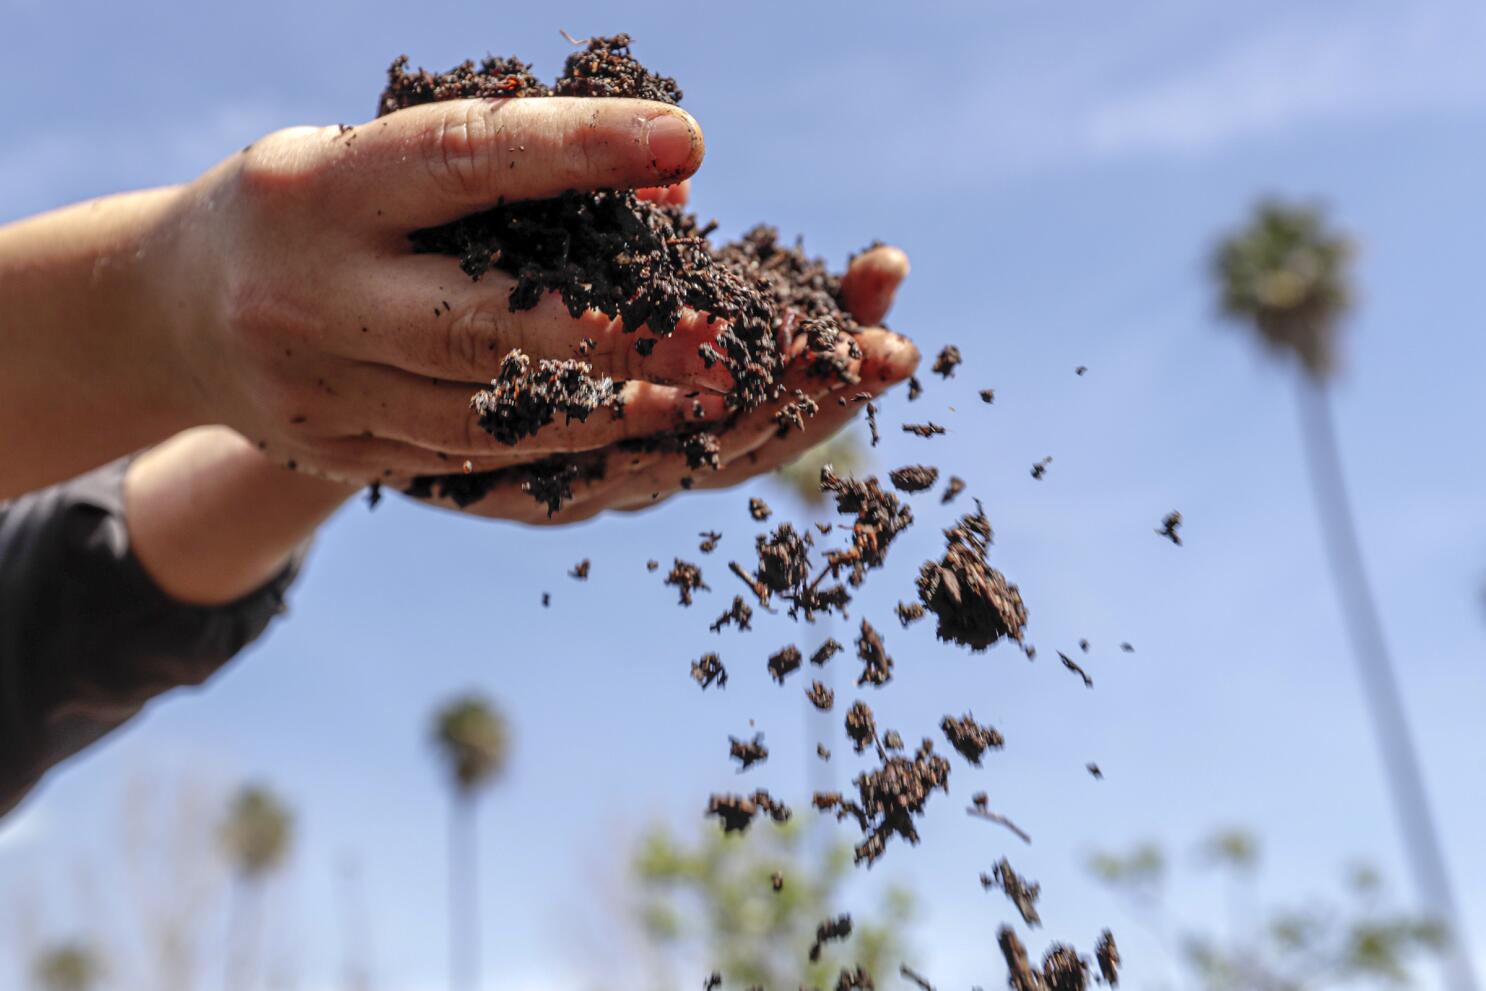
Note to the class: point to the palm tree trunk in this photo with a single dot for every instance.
(1379, 684)
(464, 902)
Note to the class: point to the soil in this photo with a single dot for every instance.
(709, 541)
(889, 798)
(759, 509)
(776, 881)
(910, 613)
(739, 614)
(784, 662)
(909, 974)
(878, 518)
(580, 570)
(1074, 666)
(1094, 771)
(820, 696)
(831, 929)
(923, 429)
(1107, 955)
(686, 578)
(913, 478)
(970, 738)
(948, 360)
(826, 651)
(748, 752)
(708, 670)
(1169, 526)
(855, 980)
(522, 399)
(877, 666)
(1062, 968)
(861, 727)
(642, 263)
(972, 601)
(1022, 893)
(988, 396)
(738, 811)
(952, 489)
(1040, 468)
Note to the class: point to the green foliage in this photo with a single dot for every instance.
(1325, 943)
(474, 739)
(257, 831)
(72, 966)
(1286, 273)
(714, 899)
(801, 477)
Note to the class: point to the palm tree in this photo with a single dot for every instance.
(1287, 275)
(256, 836)
(72, 966)
(474, 740)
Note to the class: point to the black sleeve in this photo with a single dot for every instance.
(86, 636)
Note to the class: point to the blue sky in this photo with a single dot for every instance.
(1056, 171)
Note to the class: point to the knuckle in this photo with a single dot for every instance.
(284, 163)
(459, 150)
(471, 340)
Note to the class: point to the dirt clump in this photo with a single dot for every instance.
(970, 738)
(1170, 524)
(686, 578)
(748, 752)
(913, 478)
(737, 812)
(831, 929)
(877, 666)
(739, 614)
(1022, 893)
(973, 603)
(707, 670)
(784, 662)
(525, 397)
(820, 696)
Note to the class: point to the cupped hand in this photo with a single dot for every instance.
(299, 316)
(629, 480)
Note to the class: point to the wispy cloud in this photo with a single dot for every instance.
(1382, 61)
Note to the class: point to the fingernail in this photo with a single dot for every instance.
(674, 145)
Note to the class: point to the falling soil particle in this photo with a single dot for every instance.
(988, 396)
(759, 509)
(915, 388)
(972, 601)
(708, 670)
(949, 358)
(826, 651)
(686, 578)
(739, 613)
(861, 728)
(877, 666)
(1169, 526)
(889, 798)
(913, 478)
(580, 570)
(784, 662)
(832, 929)
(1022, 893)
(909, 974)
(1073, 666)
(952, 489)
(910, 613)
(1107, 954)
(709, 541)
(970, 738)
(736, 812)
(820, 696)
(1094, 771)
(923, 429)
(776, 881)
(748, 752)
(1040, 468)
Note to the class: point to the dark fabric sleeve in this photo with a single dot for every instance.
(86, 636)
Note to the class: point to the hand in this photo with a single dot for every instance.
(304, 322)
(753, 446)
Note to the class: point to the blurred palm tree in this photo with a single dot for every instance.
(256, 836)
(473, 738)
(1286, 274)
(71, 966)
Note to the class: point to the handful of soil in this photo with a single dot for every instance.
(641, 263)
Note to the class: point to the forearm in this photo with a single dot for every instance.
(211, 519)
(84, 364)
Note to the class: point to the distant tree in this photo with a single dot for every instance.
(1286, 275)
(713, 901)
(70, 966)
(1324, 943)
(256, 836)
(474, 741)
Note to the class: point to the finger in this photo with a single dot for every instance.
(887, 359)
(437, 162)
(871, 281)
(436, 415)
(423, 315)
(676, 195)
